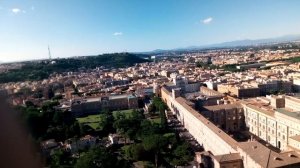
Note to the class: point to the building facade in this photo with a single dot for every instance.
(90, 106)
(225, 151)
(277, 124)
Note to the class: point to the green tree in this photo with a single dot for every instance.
(60, 159)
(35, 122)
(135, 152)
(164, 122)
(182, 155)
(58, 117)
(137, 115)
(29, 104)
(106, 122)
(155, 144)
(100, 158)
(127, 127)
(151, 108)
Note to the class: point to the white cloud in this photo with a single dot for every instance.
(118, 34)
(16, 10)
(207, 20)
(32, 8)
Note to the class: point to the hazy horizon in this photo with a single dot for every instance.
(76, 28)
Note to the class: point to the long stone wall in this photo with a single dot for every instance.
(206, 133)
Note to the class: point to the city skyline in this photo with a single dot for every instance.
(88, 28)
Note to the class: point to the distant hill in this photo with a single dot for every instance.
(237, 43)
(42, 69)
(248, 42)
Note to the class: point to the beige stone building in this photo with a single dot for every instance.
(276, 123)
(240, 91)
(229, 117)
(88, 106)
(222, 150)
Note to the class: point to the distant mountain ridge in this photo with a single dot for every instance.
(249, 42)
(236, 43)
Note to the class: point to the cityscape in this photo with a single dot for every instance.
(219, 103)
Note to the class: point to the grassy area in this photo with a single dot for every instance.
(91, 120)
(142, 164)
(127, 113)
(156, 120)
(94, 121)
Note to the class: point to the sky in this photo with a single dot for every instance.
(90, 27)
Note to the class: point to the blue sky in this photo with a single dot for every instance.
(88, 27)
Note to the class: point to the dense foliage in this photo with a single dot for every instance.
(47, 123)
(145, 141)
(295, 59)
(42, 70)
(100, 158)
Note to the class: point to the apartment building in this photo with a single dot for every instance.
(229, 117)
(224, 151)
(276, 120)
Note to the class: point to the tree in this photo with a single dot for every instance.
(135, 151)
(58, 117)
(182, 155)
(155, 143)
(119, 115)
(59, 158)
(35, 122)
(164, 122)
(100, 158)
(137, 115)
(106, 122)
(151, 108)
(128, 127)
(29, 104)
